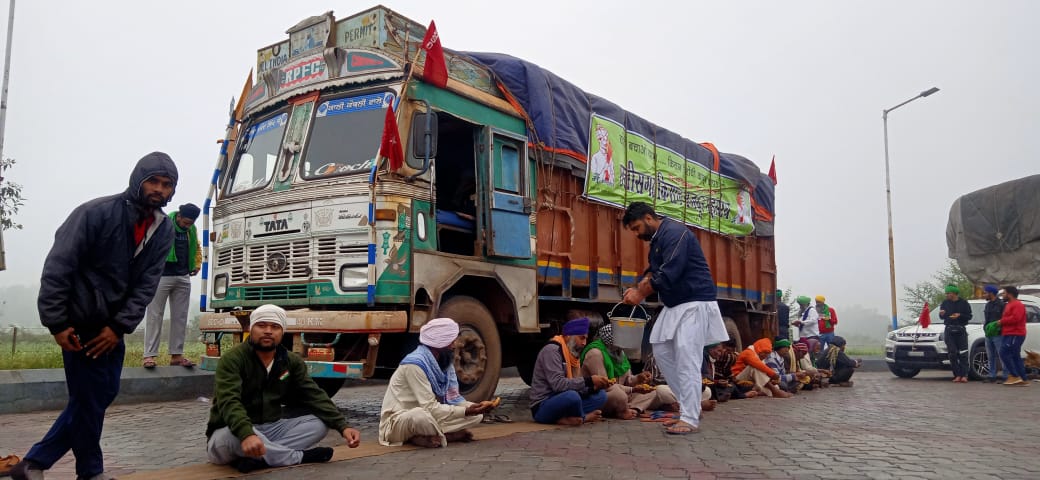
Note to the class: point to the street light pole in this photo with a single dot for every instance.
(888, 198)
(3, 115)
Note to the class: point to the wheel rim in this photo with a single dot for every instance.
(980, 363)
(470, 357)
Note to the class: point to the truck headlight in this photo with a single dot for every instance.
(891, 335)
(353, 277)
(220, 285)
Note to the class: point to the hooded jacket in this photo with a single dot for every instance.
(95, 276)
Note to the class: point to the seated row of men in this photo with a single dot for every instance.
(573, 382)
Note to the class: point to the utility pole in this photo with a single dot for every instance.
(3, 114)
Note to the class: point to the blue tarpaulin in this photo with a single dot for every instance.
(561, 113)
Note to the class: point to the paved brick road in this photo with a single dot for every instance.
(884, 427)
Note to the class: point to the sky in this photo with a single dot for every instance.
(96, 85)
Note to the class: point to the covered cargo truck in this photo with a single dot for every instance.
(994, 233)
(505, 215)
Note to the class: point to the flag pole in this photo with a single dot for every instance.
(3, 114)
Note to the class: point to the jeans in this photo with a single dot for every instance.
(957, 348)
(1011, 355)
(826, 339)
(92, 385)
(568, 404)
(993, 345)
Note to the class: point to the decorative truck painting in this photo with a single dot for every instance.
(502, 215)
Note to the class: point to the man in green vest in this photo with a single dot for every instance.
(183, 261)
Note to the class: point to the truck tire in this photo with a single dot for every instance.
(978, 362)
(330, 385)
(478, 350)
(903, 372)
(734, 333)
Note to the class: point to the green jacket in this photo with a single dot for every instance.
(244, 393)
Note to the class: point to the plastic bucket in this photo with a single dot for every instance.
(628, 331)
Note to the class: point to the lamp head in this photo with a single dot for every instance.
(929, 91)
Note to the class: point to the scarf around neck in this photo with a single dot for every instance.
(570, 364)
(445, 384)
(616, 367)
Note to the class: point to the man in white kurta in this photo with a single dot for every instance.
(413, 409)
(691, 319)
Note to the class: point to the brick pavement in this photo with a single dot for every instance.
(882, 428)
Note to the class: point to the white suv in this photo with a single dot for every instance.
(911, 349)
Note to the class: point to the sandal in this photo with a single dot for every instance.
(184, 362)
(149, 362)
(681, 429)
(496, 418)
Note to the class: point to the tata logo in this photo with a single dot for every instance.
(275, 225)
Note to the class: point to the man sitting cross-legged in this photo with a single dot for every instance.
(631, 394)
(558, 394)
(750, 367)
(253, 380)
(422, 405)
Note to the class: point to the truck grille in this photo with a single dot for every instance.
(327, 251)
(295, 254)
(275, 292)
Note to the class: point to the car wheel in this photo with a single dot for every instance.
(903, 372)
(978, 362)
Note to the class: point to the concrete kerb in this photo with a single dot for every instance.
(24, 391)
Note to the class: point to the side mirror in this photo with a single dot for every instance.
(424, 135)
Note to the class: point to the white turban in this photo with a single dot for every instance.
(267, 313)
(439, 333)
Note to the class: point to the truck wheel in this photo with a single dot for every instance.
(903, 372)
(978, 362)
(330, 385)
(734, 333)
(478, 351)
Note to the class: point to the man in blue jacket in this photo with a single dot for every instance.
(97, 281)
(691, 319)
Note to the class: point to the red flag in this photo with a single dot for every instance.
(926, 318)
(390, 147)
(435, 71)
(772, 170)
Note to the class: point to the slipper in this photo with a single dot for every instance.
(149, 363)
(681, 430)
(184, 362)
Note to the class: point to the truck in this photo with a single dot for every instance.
(504, 214)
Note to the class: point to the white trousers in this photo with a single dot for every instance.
(679, 350)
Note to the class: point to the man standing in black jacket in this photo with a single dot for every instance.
(691, 319)
(956, 313)
(783, 317)
(97, 281)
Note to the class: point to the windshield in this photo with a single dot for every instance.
(257, 159)
(345, 135)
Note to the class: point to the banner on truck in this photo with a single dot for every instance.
(626, 167)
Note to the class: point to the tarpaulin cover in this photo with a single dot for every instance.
(560, 113)
(994, 233)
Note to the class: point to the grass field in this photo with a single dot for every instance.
(40, 351)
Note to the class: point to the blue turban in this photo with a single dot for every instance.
(578, 326)
(991, 289)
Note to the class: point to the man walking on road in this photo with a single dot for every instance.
(994, 310)
(97, 281)
(691, 319)
(253, 381)
(184, 261)
(956, 313)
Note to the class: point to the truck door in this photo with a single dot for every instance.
(509, 203)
